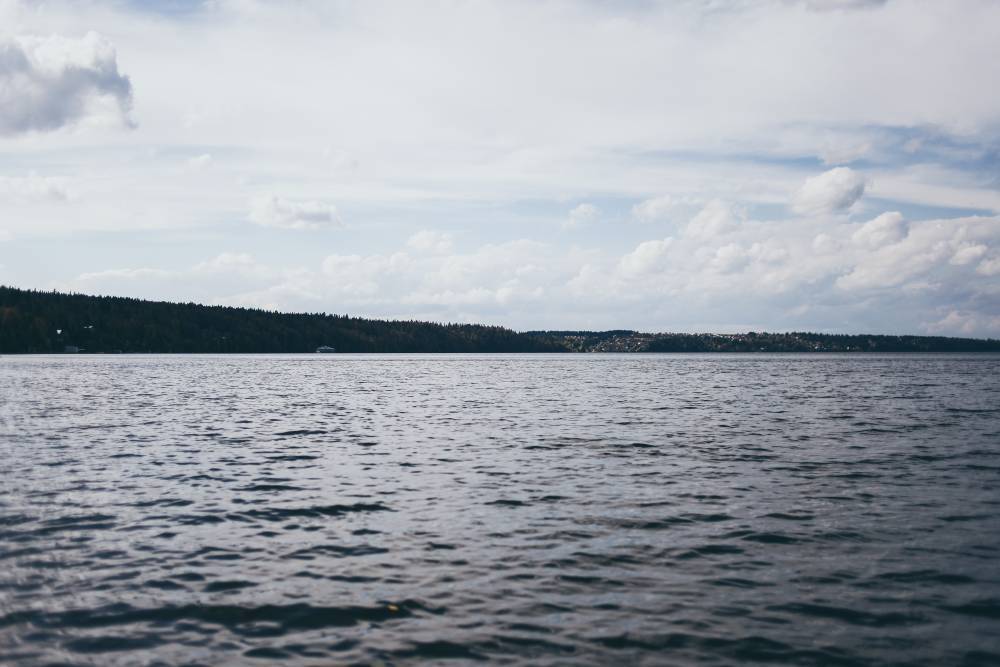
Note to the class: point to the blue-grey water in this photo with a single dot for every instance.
(563, 509)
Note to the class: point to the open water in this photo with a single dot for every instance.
(536, 510)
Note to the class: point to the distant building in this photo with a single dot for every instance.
(325, 349)
(71, 349)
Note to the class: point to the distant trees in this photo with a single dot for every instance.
(34, 321)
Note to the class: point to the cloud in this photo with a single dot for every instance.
(837, 153)
(581, 215)
(47, 83)
(430, 241)
(655, 209)
(756, 273)
(922, 258)
(714, 219)
(830, 192)
(967, 253)
(647, 257)
(729, 258)
(118, 275)
(33, 188)
(965, 323)
(273, 211)
(227, 262)
(199, 162)
(989, 266)
(835, 5)
(886, 229)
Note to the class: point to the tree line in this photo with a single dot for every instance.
(43, 322)
(33, 321)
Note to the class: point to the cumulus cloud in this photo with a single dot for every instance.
(32, 188)
(967, 253)
(830, 192)
(921, 258)
(716, 218)
(647, 257)
(273, 211)
(581, 215)
(47, 83)
(729, 258)
(886, 229)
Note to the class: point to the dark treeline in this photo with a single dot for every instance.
(41, 322)
(34, 321)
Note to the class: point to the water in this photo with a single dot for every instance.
(571, 509)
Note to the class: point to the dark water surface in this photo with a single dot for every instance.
(573, 509)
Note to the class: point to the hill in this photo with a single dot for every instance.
(43, 322)
(34, 321)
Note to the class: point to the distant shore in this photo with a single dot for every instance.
(52, 322)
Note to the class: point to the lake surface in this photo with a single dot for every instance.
(564, 509)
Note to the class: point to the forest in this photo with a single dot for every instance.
(34, 321)
(44, 322)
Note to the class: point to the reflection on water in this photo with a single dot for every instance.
(535, 509)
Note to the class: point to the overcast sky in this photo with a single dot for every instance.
(724, 165)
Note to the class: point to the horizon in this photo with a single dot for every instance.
(519, 331)
(702, 166)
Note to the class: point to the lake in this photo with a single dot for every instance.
(525, 509)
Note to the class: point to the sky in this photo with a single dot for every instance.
(721, 166)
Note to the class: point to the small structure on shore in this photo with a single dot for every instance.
(325, 349)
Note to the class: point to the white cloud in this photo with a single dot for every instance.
(922, 257)
(33, 188)
(965, 323)
(227, 262)
(714, 219)
(966, 253)
(200, 161)
(47, 83)
(729, 258)
(655, 209)
(824, 244)
(273, 211)
(581, 215)
(830, 192)
(119, 275)
(886, 229)
(430, 241)
(647, 257)
(989, 266)
(834, 153)
(669, 283)
(834, 5)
